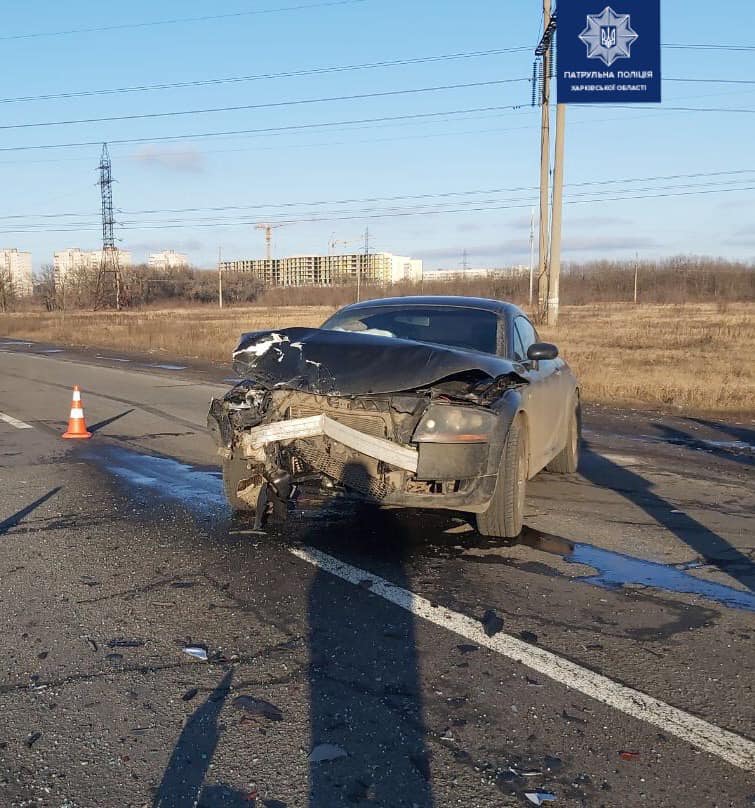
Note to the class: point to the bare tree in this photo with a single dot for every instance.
(7, 291)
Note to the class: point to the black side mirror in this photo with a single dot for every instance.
(542, 350)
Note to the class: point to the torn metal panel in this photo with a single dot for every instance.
(321, 425)
(351, 363)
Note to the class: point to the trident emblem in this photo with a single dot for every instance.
(608, 36)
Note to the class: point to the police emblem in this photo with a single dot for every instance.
(608, 36)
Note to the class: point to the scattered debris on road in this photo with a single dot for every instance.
(190, 693)
(125, 643)
(491, 623)
(539, 797)
(258, 707)
(326, 752)
(33, 738)
(528, 636)
(627, 754)
(196, 651)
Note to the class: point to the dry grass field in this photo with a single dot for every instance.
(695, 358)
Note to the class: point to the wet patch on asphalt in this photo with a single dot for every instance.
(202, 490)
(198, 489)
(616, 570)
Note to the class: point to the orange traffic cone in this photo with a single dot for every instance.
(77, 426)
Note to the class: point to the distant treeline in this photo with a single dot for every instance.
(683, 279)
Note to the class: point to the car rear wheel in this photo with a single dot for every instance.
(567, 460)
(234, 471)
(505, 514)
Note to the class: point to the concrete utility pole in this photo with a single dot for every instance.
(220, 278)
(532, 251)
(554, 268)
(542, 264)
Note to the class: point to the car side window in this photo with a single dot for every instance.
(524, 336)
(520, 355)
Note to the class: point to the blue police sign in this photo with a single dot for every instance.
(607, 54)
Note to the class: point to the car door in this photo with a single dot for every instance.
(544, 402)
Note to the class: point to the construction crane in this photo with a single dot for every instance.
(268, 228)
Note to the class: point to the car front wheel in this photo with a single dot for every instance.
(505, 514)
(567, 460)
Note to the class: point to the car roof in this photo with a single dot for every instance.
(499, 307)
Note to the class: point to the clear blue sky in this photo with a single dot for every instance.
(490, 153)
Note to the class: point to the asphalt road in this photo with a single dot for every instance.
(623, 674)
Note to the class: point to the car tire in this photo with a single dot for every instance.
(567, 460)
(234, 471)
(504, 517)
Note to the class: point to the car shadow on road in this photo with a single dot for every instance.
(733, 431)
(711, 547)
(364, 679)
(732, 449)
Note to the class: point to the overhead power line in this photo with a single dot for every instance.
(329, 124)
(265, 130)
(362, 200)
(313, 71)
(305, 212)
(177, 20)
(703, 46)
(397, 213)
(267, 105)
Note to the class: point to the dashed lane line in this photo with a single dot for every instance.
(726, 745)
(9, 419)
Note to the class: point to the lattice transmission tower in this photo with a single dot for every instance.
(109, 281)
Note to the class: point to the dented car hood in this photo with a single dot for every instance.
(352, 363)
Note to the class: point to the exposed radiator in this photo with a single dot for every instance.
(351, 475)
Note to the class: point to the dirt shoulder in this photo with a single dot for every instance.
(672, 359)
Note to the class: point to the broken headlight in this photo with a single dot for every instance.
(443, 423)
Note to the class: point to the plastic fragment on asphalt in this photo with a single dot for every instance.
(627, 754)
(325, 752)
(33, 738)
(125, 643)
(196, 651)
(491, 623)
(190, 693)
(539, 797)
(258, 707)
(529, 636)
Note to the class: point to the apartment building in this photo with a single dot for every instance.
(329, 270)
(15, 266)
(75, 260)
(168, 259)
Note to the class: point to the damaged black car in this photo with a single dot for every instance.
(420, 402)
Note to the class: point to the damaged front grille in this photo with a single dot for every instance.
(352, 475)
(367, 423)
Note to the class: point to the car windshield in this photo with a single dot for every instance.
(453, 326)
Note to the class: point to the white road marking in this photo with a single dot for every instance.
(726, 745)
(9, 419)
